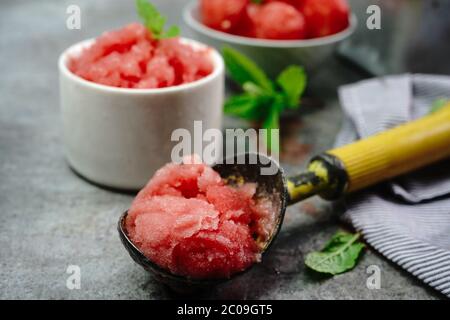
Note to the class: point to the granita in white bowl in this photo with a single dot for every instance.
(124, 94)
(131, 58)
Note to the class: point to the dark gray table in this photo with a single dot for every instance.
(50, 218)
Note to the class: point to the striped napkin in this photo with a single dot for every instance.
(407, 220)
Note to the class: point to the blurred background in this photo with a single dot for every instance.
(414, 36)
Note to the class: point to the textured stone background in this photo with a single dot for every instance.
(50, 218)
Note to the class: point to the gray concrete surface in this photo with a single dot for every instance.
(50, 218)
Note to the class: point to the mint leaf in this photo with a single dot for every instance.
(243, 70)
(272, 122)
(172, 32)
(438, 104)
(339, 254)
(146, 10)
(150, 16)
(154, 21)
(245, 106)
(293, 83)
(262, 100)
(252, 89)
(257, 1)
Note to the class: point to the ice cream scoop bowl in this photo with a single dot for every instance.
(234, 170)
(331, 175)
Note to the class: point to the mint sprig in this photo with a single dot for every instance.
(438, 105)
(154, 21)
(262, 100)
(293, 83)
(339, 255)
(242, 70)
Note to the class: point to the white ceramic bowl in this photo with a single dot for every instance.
(271, 55)
(118, 137)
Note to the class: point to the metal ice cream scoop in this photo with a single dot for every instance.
(330, 175)
(267, 185)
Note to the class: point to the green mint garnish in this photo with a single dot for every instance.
(438, 104)
(339, 255)
(293, 83)
(243, 70)
(262, 99)
(154, 21)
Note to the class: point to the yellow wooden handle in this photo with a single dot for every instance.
(396, 151)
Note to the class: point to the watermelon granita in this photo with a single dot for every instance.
(276, 19)
(189, 222)
(131, 58)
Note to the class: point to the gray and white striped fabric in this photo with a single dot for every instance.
(406, 220)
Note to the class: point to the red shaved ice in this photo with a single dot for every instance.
(189, 222)
(247, 25)
(276, 19)
(279, 21)
(131, 58)
(222, 15)
(325, 17)
(296, 3)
